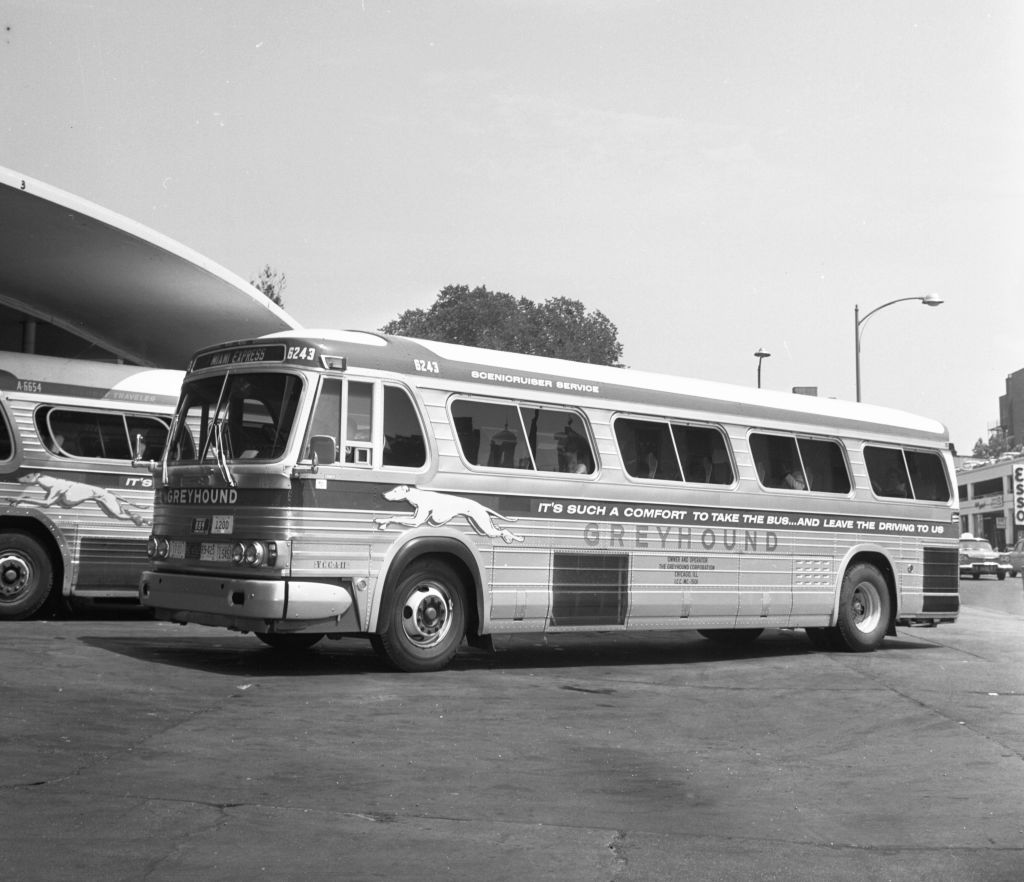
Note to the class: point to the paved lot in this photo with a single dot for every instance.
(135, 750)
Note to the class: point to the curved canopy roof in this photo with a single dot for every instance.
(116, 283)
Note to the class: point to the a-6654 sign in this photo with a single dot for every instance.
(1018, 495)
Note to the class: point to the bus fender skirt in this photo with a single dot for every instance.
(450, 545)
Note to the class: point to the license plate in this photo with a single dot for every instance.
(177, 550)
(222, 524)
(215, 551)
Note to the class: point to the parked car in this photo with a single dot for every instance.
(977, 557)
(1016, 556)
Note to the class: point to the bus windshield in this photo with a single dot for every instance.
(237, 417)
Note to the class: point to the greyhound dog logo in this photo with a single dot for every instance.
(437, 509)
(70, 494)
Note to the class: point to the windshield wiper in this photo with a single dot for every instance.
(220, 454)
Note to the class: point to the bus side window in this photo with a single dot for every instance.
(777, 461)
(326, 417)
(825, 465)
(359, 424)
(703, 453)
(113, 435)
(647, 449)
(927, 476)
(556, 441)
(403, 436)
(6, 439)
(887, 472)
(491, 434)
(73, 433)
(153, 432)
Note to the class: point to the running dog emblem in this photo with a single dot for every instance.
(69, 494)
(437, 509)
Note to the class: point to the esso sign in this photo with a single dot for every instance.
(1018, 495)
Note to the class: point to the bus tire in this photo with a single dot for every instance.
(731, 636)
(1000, 576)
(290, 642)
(425, 617)
(864, 609)
(26, 575)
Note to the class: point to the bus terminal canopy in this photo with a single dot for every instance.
(116, 283)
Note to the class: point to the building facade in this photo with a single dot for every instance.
(992, 498)
(1011, 409)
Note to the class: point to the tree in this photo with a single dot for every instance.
(271, 283)
(558, 327)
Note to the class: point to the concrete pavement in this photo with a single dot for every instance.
(140, 750)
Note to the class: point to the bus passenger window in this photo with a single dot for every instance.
(74, 432)
(825, 465)
(647, 450)
(491, 434)
(887, 472)
(6, 441)
(153, 432)
(403, 436)
(703, 454)
(556, 441)
(777, 461)
(927, 476)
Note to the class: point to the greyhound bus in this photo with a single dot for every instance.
(75, 515)
(334, 484)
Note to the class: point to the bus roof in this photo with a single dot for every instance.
(436, 363)
(97, 380)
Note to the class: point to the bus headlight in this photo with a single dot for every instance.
(254, 553)
(158, 548)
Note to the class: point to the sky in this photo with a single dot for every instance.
(715, 176)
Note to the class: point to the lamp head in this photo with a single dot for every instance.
(932, 300)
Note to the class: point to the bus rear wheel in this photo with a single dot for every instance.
(26, 575)
(864, 609)
(425, 618)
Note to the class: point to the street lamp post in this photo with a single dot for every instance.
(926, 299)
(760, 355)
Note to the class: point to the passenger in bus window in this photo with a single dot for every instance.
(895, 484)
(700, 470)
(794, 478)
(575, 460)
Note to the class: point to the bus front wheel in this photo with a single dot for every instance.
(425, 618)
(26, 575)
(864, 609)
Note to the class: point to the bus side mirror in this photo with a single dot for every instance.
(323, 449)
(137, 453)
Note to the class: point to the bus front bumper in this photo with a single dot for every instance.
(245, 604)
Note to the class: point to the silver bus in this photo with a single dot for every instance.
(333, 484)
(75, 515)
